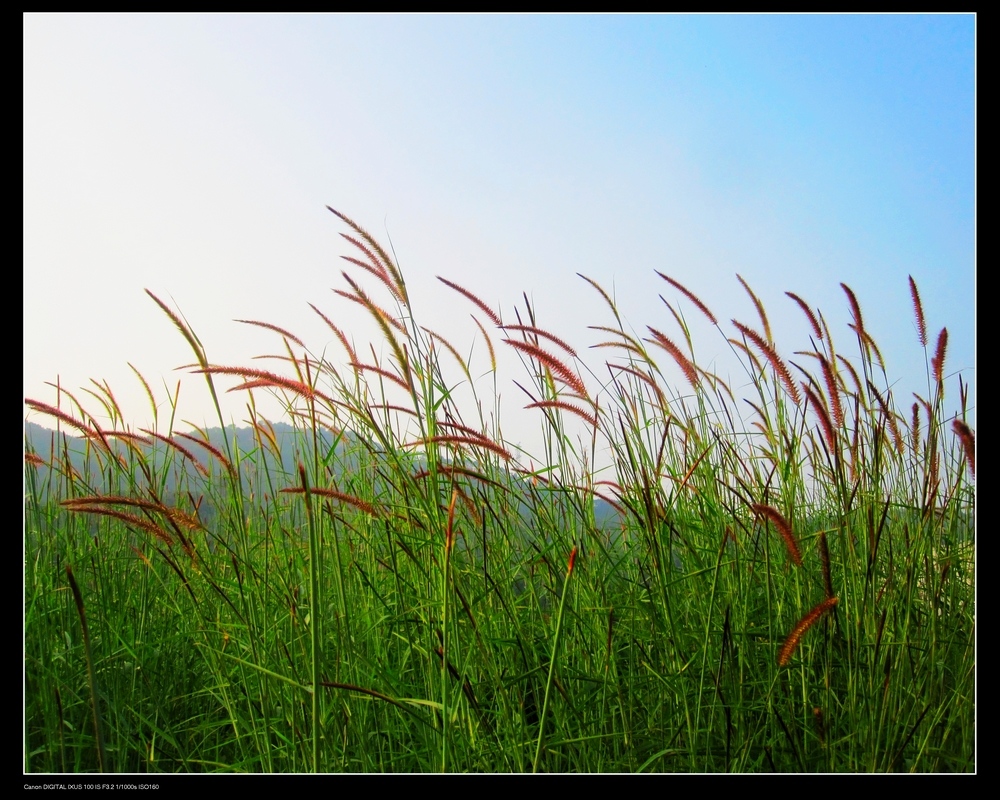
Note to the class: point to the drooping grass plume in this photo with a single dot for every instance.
(466, 440)
(149, 392)
(630, 343)
(128, 519)
(107, 399)
(489, 343)
(62, 391)
(690, 296)
(760, 308)
(544, 334)
(889, 415)
(337, 332)
(918, 312)
(457, 426)
(564, 373)
(357, 502)
(803, 625)
(91, 433)
(382, 317)
(383, 257)
(381, 274)
(937, 362)
(784, 528)
(174, 515)
(832, 392)
(675, 352)
(808, 312)
(260, 378)
(915, 427)
(869, 343)
(968, 439)
(755, 362)
(202, 441)
(393, 407)
(451, 349)
(852, 372)
(489, 312)
(592, 420)
(185, 330)
(374, 261)
(126, 436)
(636, 350)
(264, 431)
(383, 372)
(855, 308)
(290, 336)
(772, 356)
(604, 294)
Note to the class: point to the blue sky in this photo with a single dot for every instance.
(194, 155)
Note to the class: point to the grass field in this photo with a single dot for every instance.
(778, 583)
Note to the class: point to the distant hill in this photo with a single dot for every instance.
(158, 454)
(292, 446)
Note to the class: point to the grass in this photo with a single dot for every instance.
(400, 589)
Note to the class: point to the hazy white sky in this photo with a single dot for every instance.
(193, 155)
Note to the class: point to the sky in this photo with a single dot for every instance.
(195, 155)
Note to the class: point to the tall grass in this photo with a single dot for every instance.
(407, 591)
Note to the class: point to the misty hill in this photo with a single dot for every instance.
(280, 455)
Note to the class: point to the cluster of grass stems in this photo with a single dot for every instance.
(785, 582)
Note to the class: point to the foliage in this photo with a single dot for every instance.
(407, 591)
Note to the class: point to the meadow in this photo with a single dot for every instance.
(780, 582)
